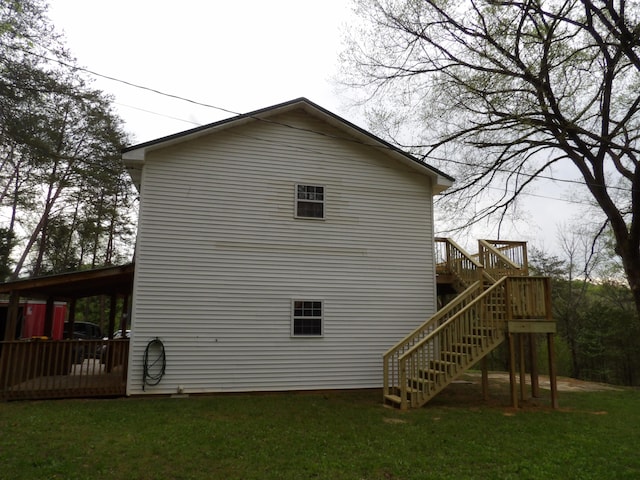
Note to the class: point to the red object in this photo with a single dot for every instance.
(33, 323)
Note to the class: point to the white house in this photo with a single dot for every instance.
(283, 249)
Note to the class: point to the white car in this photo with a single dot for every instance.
(118, 334)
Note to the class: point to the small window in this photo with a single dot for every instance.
(309, 201)
(307, 318)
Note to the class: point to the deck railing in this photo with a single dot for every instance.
(452, 259)
(504, 257)
(529, 298)
(501, 259)
(31, 369)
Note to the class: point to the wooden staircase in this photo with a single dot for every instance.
(493, 289)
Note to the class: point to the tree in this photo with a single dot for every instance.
(62, 182)
(596, 323)
(511, 90)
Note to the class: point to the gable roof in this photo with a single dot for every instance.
(134, 156)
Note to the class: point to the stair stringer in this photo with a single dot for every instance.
(451, 347)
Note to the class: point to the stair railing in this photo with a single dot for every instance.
(390, 360)
(516, 251)
(470, 333)
(453, 259)
(501, 259)
(482, 321)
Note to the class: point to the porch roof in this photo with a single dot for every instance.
(87, 283)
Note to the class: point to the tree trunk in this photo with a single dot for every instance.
(631, 264)
(36, 232)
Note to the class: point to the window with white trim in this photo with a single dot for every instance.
(310, 201)
(307, 318)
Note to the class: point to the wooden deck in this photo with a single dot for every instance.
(38, 369)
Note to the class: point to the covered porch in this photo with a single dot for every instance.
(38, 368)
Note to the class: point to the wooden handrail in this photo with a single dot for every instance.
(508, 252)
(461, 337)
(500, 295)
(454, 317)
(495, 261)
(455, 260)
(436, 318)
(390, 358)
(431, 365)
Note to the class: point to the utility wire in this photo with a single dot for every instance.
(232, 112)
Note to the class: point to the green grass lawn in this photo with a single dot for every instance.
(335, 435)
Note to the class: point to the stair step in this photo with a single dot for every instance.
(473, 340)
(452, 353)
(482, 330)
(426, 373)
(418, 385)
(463, 347)
(394, 399)
(441, 365)
(454, 357)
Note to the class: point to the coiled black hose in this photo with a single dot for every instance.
(153, 373)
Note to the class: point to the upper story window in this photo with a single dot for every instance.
(309, 201)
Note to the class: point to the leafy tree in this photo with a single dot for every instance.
(596, 320)
(61, 178)
(512, 90)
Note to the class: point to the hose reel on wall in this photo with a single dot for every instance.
(154, 363)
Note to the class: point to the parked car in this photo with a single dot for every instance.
(118, 334)
(84, 331)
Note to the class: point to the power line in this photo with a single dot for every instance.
(546, 197)
(222, 109)
(157, 113)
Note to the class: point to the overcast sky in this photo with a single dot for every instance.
(239, 56)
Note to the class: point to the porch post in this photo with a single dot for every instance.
(125, 314)
(112, 316)
(71, 319)
(12, 316)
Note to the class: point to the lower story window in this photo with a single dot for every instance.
(307, 318)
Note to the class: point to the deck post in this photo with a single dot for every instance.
(385, 378)
(533, 359)
(485, 378)
(512, 371)
(552, 371)
(523, 373)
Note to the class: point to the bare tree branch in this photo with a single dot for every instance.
(510, 88)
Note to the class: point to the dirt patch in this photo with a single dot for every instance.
(394, 420)
(565, 384)
(466, 391)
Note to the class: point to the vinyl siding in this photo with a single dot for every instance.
(220, 258)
